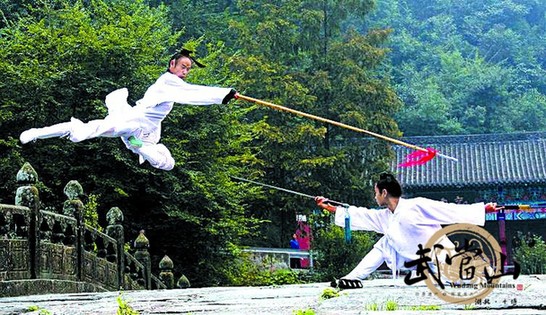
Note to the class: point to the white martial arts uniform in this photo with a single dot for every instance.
(413, 222)
(142, 121)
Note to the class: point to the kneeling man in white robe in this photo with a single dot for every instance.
(404, 223)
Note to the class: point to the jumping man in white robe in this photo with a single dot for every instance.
(140, 126)
(404, 223)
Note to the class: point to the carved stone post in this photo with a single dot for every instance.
(166, 274)
(115, 230)
(73, 207)
(183, 282)
(27, 195)
(143, 256)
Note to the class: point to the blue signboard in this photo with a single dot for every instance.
(517, 215)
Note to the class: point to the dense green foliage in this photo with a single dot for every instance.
(531, 255)
(430, 67)
(247, 270)
(334, 257)
(467, 66)
(60, 62)
(288, 53)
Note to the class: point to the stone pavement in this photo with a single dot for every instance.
(525, 295)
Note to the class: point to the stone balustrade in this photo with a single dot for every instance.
(48, 252)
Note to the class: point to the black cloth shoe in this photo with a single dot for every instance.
(347, 284)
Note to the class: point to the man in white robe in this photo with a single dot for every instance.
(404, 223)
(140, 126)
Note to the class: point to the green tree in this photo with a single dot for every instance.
(199, 19)
(531, 254)
(300, 55)
(461, 67)
(527, 112)
(333, 256)
(477, 106)
(61, 61)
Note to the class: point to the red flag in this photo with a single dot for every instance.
(418, 158)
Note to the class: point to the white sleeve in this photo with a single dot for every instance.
(433, 211)
(362, 218)
(170, 88)
(192, 94)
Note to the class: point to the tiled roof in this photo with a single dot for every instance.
(514, 158)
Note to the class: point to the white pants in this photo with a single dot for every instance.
(78, 131)
(122, 121)
(155, 153)
(108, 127)
(367, 265)
(375, 258)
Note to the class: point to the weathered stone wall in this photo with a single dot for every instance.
(49, 252)
(15, 260)
(41, 286)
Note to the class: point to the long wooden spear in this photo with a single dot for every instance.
(524, 207)
(348, 235)
(415, 158)
(285, 190)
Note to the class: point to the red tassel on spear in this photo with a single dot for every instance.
(421, 156)
(418, 158)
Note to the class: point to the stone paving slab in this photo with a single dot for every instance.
(530, 298)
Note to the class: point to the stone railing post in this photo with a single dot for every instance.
(166, 271)
(73, 207)
(115, 231)
(27, 195)
(143, 256)
(183, 282)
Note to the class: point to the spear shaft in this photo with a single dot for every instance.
(284, 189)
(523, 207)
(335, 123)
(347, 219)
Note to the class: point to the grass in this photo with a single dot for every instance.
(329, 293)
(34, 308)
(424, 308)
(124, 308)
(391, 305)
